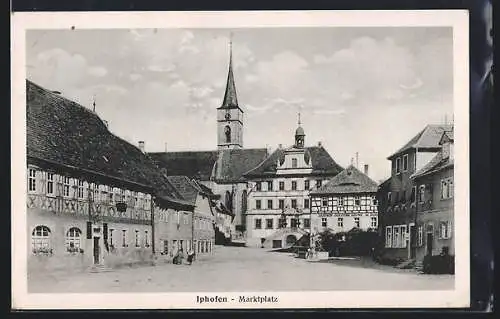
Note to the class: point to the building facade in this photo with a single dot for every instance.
(345, 202)
(435, 205)
(278, 211)
(397, 196)
(85, 205)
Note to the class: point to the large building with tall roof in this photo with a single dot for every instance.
(92, 198)
(398, 196)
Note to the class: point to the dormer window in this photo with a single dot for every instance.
(294, 163)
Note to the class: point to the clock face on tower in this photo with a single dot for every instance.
(228, 115)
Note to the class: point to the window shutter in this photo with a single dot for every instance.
(89, 230)
(105, 231)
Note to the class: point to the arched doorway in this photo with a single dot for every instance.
(291, 240)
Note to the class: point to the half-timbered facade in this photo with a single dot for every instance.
(91, 196)
(345, 202)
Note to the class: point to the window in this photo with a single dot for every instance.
(269, 223)
(110, 235)
(306, 184)
(294, 222)
(80, 189)
(258, 223)
(374, 201)
(357, 201)
(341, 201)
(318, 183)
(403, 196)
(124, 238)
(340, 222)
(65, 186)
(324, 202)
(257, 204)
(50, 184)
(294, 185)
(396, 239)
(398, 165)
(345, 201)
(294, 163)
(388, 237)
(73, 238)
(389, 198)
(270, 186)
(258, 186)
(444, 230)
(446, 188)
(420, 236)
(307, 223)
(324, 222)
(165, 247)
(32, 180)
(374, 223)
(146, 238)
(294, 203)
(403, 236)
(40, 238)
(137, 243)
(282, 186)
(227, 132)
(405, 162)
(421, 193)
(306, 203)
(356, 222)
(281, 203)
(269, 204)
(413, 194)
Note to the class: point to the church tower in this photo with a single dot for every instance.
(229, 114)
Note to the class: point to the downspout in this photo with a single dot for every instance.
(152, 224)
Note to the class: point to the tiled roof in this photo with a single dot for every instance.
(350, 180)
(196, 165)
(322, 163)
(436, 164)
(222, 166)
(428, 138)
(65, 134)
(185, 187)
(233, 163)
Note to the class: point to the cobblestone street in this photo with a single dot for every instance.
(240, 269)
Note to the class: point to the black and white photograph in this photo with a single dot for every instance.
(234, 162)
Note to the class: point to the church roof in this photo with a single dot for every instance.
(299, 131)
(223, 166)
(230, 97)
(428, 138)
(66, 136)
(197, 165)
(350, 180)
(322, 163)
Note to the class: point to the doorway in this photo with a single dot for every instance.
(290, 240)
(276, 243)
(429, 241)
(96, 250)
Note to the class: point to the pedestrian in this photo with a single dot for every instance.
(190, 256)
(178, 257)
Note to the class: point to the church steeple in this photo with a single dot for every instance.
(230, 97)
(229, 114)
(299, 135)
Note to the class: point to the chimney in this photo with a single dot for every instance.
(141, 146)
(166, 149)
(319, 144)
(366, 169)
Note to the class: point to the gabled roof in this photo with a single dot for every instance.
(428, 139)
(196, 165)
(64, 135)
(436, 164)
(350, 180)
(185, 187)
(322, 163)
(447, 136)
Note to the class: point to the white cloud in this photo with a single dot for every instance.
(97, 71)
(135, 77)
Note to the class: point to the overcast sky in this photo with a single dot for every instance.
(366, 90)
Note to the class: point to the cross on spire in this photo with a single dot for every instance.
(299, 118)
(93, 102)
